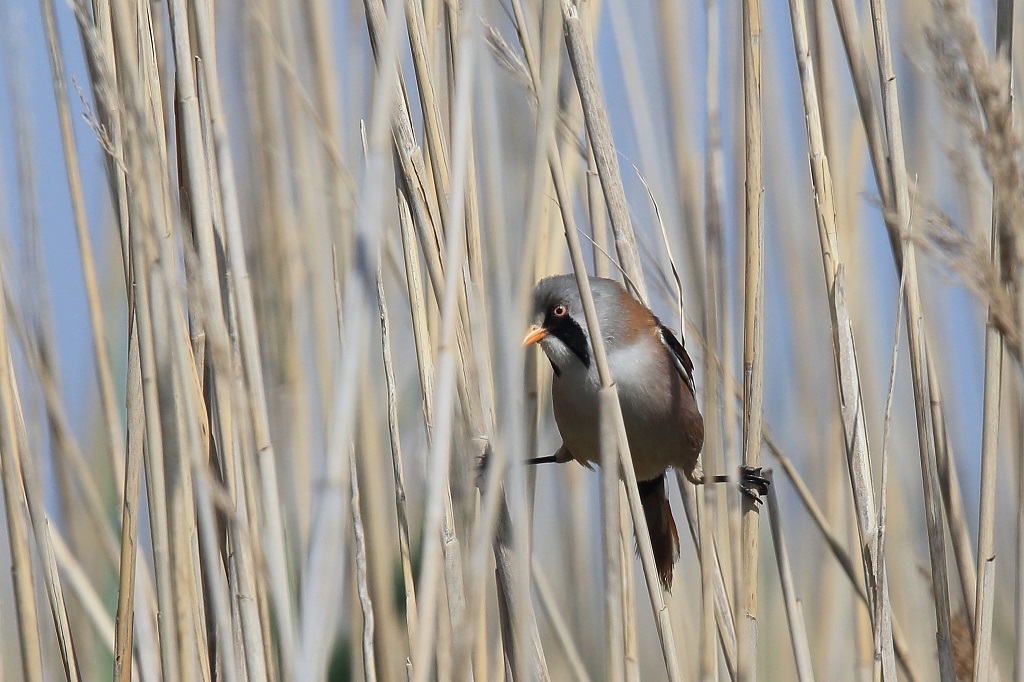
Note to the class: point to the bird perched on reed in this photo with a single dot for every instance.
(654, 376)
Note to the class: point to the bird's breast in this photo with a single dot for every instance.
(662, 422)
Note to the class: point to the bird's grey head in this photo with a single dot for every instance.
(558, 322)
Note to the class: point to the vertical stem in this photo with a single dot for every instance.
(15, 507)
(365, 604)
(915, 335)
(1017, 398)
(797, 633)
(103, 373)
(715, 318)
(851, 399)
(658, 604)
(401, 508)
(985, 591)
(753, 328)
(124, 630)
(614, 626)
(600, 133)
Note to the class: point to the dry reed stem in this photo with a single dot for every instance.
(600, 135)
(515, 647)
(424, 358)
(144, 206)
(329, 518)
(631, 656)
(452, 307)
(60, 426)
(365, 604)
(541, 80)
(949, 486)
(379, 520)
(225, 665)
(857, 62)
(723, 612)
(250, 387)
(476, 386)
(165, 472)
(620, 594)
(550, 608)
(753, 333)
(915, 333)
(835, 544)
(1017, 442)
(715, 313)
(39, 345)
(622, 17)
(851, 398)
(182, 436)
(507, 295)
(156, 470)
(104, 377)
(616, 569)
(882, 626)
(597, 218)
(220, 390)
(99, 42)
(610, 407)
(688, 187)
(248, 587)
(891, 181)
(193, 433)
(428, 222)
(797, 633)
(408, 579)
(321, 619)
(614, 562)
(429, 107)
(96, 30)
(125, 614)
(80, 584)
(16, 508)
(34, 497)
(985, 592)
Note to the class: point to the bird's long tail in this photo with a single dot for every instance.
(661, 526)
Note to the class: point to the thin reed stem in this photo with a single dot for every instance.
(985, 592)
(753, 331)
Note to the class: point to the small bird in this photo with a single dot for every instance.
(654, 376)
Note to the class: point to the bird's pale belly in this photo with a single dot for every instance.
(656, 441)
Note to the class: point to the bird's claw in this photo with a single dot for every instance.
(753, 484)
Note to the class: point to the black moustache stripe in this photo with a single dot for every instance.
(569, 332)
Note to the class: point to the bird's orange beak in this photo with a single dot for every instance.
(534, 334)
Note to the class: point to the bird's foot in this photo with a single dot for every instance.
(753, 484)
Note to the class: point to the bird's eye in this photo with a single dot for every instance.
(559, 311)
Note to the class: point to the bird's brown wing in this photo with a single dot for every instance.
(680, 358)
